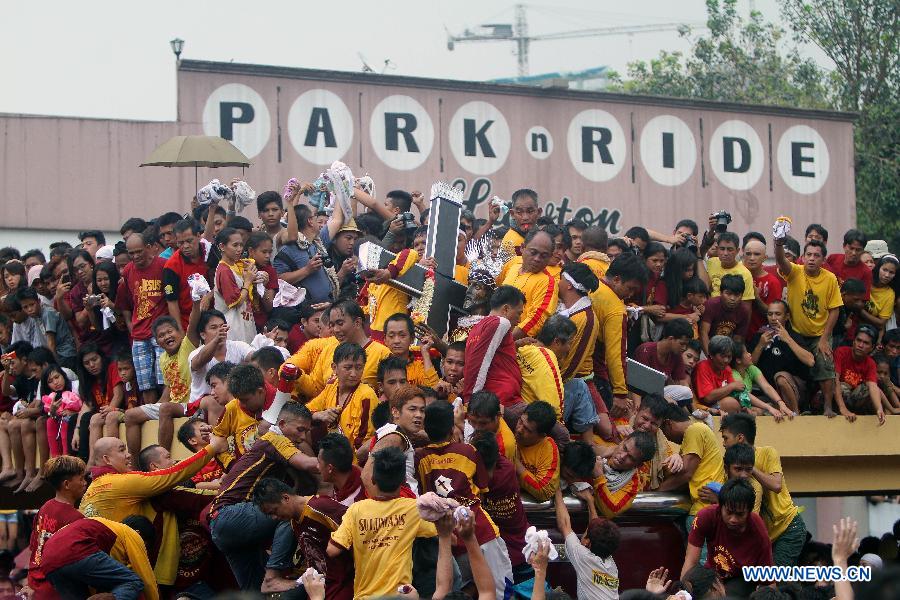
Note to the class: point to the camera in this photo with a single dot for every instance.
(326, 260)
(92, 299)
(722, 220)
(409, 220)
(691, 245)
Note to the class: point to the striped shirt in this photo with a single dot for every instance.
(541, 296)
(541, 475)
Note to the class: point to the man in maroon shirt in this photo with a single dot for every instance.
(503, 502)
(140, 298)
(66, 475)
(187, 260)
(665, 355)
(337, 468)
(769, 286)
(735, 537)
(307, 525)
(848, 265)
(490, 359)
(312, 325)
(725, 314)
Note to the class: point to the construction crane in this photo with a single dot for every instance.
(518, 33)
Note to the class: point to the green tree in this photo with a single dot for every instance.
(862, 39)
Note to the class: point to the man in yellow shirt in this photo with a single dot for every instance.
(701, 455)
(345, 406)
(815, 300)
(117, 492)
(624, 279)
(346, 322)
(726, 263)
(525, 213)
(594, 241)
(535, 281)
(380, 531)
(537, 456)
(399, 331)
(483, 414)
(782, 517)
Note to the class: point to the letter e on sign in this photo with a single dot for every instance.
(479, 137)
(320, 127)
(401, 132)
(237, 113)
(539, 142)
(668, 150)
(736, 155)
(803, 159)
(596, 145)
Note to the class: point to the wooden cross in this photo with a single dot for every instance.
(443, 231)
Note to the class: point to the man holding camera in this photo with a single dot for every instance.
(726, 260)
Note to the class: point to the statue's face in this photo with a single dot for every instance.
(477, 293)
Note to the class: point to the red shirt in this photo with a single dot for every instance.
(843, 272)
(706, 379)
(503, 503)
(491, 361)
(259, 315)
(770, 288)
(76, 542)
(141, 292)
(353, 490)
(729, 550)
(53, 516)
(657, 293)
(646, 354)
(175, 275)
(101, 395)
(296, 338)
(851, 371)
(212, 471)
(725, 321)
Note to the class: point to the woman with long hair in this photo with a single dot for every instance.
(879, 309)
(107, 322)
(101, 391)
(13, 277)
(72, 290)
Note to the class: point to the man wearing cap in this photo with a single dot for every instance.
(105, 254)
(33, 276)
(341, 253)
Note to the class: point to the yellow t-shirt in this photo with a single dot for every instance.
(699, 439)
(355, 422)
(309, 353)
(416, 373)
(461, 274)
(238, 425)
(810, 299)
(541, 462)
(389, 300)
(541, 297)
(176, 370)
(381, 533)
(598, 262)
(311, 383)
(580, 360)
(778, 509)
(610, 312)
(506, 441)
(541, 378)
(513, 241)
(881, 302)
(716, 272)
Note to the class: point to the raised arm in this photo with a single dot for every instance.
(563, 520)
(784, 265)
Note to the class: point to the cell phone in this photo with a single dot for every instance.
(65, 278)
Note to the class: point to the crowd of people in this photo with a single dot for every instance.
(340, 448)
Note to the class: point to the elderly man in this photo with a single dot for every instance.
(535, 281)
(117, 491)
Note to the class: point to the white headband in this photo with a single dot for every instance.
(575, 284)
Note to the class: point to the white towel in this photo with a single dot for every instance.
(199, 286)
(533, 538)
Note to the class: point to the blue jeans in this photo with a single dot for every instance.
(99, 571)
(579, 412)
(242, 532)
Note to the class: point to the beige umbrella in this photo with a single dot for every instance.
(196, 151)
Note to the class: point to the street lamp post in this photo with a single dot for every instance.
(177, 46)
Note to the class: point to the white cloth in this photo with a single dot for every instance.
(288, 295)
(235, 352)
(781, 228)
(214, 191)
(568, 311)
(262, 341)
(240, 327)
(243, 196)
(310, 575)
(432, 507)
(598, 578)
(409, 452)
(109, 317)
(533, 537)
(199, 286)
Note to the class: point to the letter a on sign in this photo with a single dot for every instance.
(401, 132)
(320, 127)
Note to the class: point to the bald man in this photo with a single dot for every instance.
(117, 491)
(768, 285)
(594, 241)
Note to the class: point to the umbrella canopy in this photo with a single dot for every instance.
(196, 151)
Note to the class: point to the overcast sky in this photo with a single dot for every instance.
(111, 59)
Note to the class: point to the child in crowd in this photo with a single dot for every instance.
(61, 405)
(693, 303)
(59, 337)
(399, 331)
(883, 370)
(742, 368)
(259, 250)
(234, 286)
(192, 437)
(726, 314)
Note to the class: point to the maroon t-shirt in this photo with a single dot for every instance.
(491, 361)
(843, 272)
(53, 516)
(725, 321)
(175, 275)
(259, 315)
(141, 292)
(727, 550)
(75, 542)
(657, 293)
(646, 354)
(503, 503)
(353, 490)
(313, 530)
